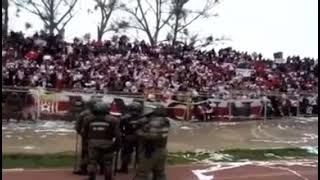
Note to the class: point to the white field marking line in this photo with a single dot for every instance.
(301, 162)
(254, 133)
(33, 170)
(13, 170)
(281, 127)
(200, 173)
(304, 139)
(306, 172)
(277, 139)
(268, 135)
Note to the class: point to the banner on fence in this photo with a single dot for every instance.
(243, 72)
(56, 105)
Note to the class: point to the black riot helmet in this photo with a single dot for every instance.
(135, 107)
(76, 101)
(93, 100)
(13, 98)
(99, 108)
(160, 111)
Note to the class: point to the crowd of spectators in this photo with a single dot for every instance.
(121, 65)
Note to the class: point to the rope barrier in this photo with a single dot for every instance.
(176, 93)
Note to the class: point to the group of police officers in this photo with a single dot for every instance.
(104, 135)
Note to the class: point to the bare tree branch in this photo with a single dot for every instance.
(151, 7)
(70, 8)
(45, 5)
(184, 17)
(36, 10)
(106, 10)
(48, 11)
(143, 16)
(57, 5)
(153, 27)
(134, 14)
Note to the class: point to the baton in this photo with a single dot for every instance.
(116, 161)
(76, 154)
(136, 157)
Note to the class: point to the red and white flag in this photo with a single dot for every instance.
(49, 106)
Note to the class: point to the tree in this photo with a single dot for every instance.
(150, 17)
(50, 12)
(183, 17)
(87, 37)
(5, 17)
(106, 8)
(27, 25)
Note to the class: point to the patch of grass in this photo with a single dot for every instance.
(175, 160)
(186, 157)
(262, 154)
(66, 159)
(37, 161)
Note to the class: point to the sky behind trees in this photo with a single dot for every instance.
(264, 26)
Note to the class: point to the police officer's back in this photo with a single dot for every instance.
(128, 130)
(84, 116)
(77, 106)
(13, 106)
(153, 135)
(101, 134)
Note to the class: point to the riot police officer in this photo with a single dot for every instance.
(77, 106)
(79, 125)
(152, 142)
(13, 106)
(129, 139)
(102, 135)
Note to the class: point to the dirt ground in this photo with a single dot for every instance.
(59, 136)
(218, 171)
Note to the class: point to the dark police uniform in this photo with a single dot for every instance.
(128, 131)
(152, 143)
(102, 134)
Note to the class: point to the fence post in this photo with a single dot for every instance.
(145, 99)
(230, 109)
(298, 107)
(189, 104)
(265, 110)
(38, 103)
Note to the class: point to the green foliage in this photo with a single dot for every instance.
(66, 159)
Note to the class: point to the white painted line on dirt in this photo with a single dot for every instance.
(270, 175)
(13, 170)
(201, 173)
(34, 170)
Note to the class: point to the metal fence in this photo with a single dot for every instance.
(184, 106)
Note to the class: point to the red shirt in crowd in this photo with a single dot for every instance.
(32, 55)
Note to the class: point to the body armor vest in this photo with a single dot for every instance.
(155, 133)
(100, 129)
(126, 127)
(77, 106)
(158, 127)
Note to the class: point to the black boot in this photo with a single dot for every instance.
(124, 169)
(108, 173)
(92, 176)
(101, 172)
(81, 171)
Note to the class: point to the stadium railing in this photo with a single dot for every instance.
(185, 106)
